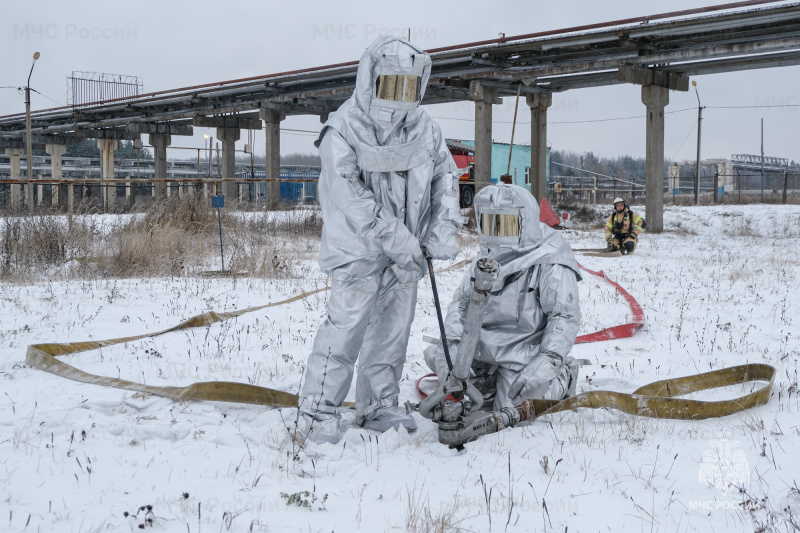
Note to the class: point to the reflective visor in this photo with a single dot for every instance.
(398, 88)
(495, 225)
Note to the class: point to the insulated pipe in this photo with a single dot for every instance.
(486, 271)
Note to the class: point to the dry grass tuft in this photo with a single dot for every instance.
(169, 238)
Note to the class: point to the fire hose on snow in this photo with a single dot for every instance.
(456, 404)
(458, 424)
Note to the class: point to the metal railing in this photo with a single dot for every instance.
(121, 195)
(742, 187)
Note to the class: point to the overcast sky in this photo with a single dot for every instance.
(171, 43)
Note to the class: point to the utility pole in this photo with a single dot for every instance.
(29, 190)
(785, 185)
(762, 160)
(697, 166)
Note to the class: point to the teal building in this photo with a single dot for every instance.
(520, 162)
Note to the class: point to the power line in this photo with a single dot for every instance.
(684, 141)
(298, 134)
(749, 106)
(617, 118)
(301, 131)
(37, 92)
(570, 121)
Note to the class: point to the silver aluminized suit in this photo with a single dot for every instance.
(388, 185)
(533, 313)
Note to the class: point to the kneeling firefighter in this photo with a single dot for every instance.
(623, 228)
(532, 312)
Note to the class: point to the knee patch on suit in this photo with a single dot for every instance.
(630, 246)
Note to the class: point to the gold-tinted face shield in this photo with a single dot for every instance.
(398, 88)
(499, 225)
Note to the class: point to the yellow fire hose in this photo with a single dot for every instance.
(659, 399)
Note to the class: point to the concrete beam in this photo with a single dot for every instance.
(448, 92)
(510, 89)
(107, 148)
(139, 128)
(272, 122)
(484, 97)
(656, 99)
(480, 92)
(11, 144)
(229, 136)
(300, 109)
(227, 122)
(112, 134)
(159, 142)
(650, 76)
(539, 104)
(63, 140)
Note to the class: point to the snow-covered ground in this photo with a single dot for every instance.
(719, 288)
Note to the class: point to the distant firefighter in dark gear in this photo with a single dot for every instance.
(623, 228)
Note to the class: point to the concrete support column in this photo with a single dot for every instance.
(539, 104)
(16, 189)
(39, 192)
(70, 199)
(484, 98)
(107, 148)
(28, 188)
(229, 136)
(272, 131)
(130, 192)
(656, 99)
(56, 151)
(159, 142)
(674, 178)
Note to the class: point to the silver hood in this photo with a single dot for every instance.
(537, 242)
(380, 146)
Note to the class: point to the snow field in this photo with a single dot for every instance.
(719, 288)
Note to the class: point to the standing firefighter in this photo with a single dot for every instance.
(388, 185)
(623, 228)
(533, 314)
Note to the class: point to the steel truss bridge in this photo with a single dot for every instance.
(753, 162)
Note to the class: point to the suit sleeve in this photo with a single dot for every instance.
(558, 296)
(446, 218)
(636, 227)
(610, 228)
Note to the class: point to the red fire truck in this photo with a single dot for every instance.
(464, 156)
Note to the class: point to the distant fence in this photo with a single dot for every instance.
(743, 187)
(593, 189)
(299, 185)
(121, 195)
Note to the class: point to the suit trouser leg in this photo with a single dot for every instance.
(329, 371)
(383, 355)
